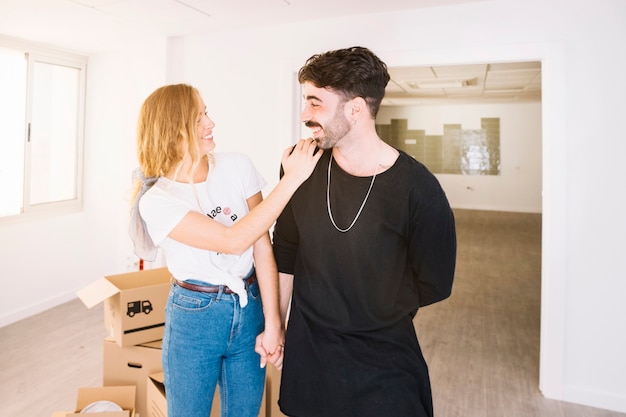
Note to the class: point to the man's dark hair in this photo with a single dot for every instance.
(352, 72)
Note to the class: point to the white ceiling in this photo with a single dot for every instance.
(459, 84)
(88, 26)
(101, 24)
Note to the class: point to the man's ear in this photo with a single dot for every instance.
(357, 107)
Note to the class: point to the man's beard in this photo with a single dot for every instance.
(333, 131)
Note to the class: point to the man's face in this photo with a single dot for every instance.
(324, 114)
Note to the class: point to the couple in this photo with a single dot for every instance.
(363, 237)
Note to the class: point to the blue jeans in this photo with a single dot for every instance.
(208, 340)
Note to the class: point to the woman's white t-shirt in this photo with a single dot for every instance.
(232, 179)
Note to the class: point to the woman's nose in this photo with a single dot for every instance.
(208, 122)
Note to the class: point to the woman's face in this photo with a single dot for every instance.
(204, 129)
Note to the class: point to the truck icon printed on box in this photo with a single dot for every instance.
(127, 295)
(135, 307)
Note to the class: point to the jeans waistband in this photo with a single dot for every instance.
(211, 288)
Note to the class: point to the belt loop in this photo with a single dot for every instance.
(249, 280)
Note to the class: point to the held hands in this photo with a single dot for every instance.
(270, 346)
(299, 161)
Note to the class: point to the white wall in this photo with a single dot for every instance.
(518, 187)
(246, 80)
(46, 259)
(244, 77)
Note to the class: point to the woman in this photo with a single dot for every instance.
(207, 214)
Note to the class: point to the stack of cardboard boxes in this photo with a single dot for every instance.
(134, 316)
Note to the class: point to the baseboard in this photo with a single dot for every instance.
(603, 400)
(15, 316)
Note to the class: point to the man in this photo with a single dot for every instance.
(364, 242)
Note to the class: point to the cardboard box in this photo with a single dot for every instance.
(131, 365)
(272, 391)
(157, 404)
(134, 304)
(124, 396)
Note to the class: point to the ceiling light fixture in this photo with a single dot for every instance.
(182, 3)
(427, 84)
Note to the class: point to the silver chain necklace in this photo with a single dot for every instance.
(330, 214)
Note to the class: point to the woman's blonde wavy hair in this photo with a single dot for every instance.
(168, 119)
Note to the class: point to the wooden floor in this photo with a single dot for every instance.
(482, 344)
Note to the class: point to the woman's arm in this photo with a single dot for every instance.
(272, 339)
(285, 291)
(200, 231)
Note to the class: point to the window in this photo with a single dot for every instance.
(458, 151)
(41, 125)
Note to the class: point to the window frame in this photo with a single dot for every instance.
(41, 54)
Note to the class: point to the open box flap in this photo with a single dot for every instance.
(97, 292)
(124, 396)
